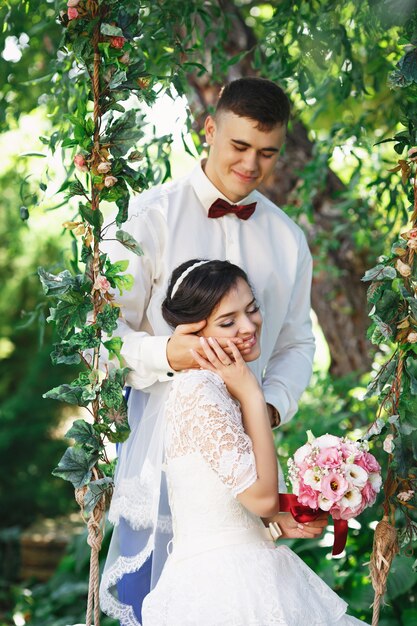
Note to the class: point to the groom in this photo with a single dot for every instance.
(216, 212)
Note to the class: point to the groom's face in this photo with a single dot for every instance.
(241, 156)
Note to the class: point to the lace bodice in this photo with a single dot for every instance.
(209, 457)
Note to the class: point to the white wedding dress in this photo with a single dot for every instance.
(223, 568)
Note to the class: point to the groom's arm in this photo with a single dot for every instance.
(289, 368)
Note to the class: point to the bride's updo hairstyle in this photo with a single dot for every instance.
(199, 290)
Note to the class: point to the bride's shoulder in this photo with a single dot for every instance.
(198, 382)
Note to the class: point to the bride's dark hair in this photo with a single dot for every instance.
(200, 291)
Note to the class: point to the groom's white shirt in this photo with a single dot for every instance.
(170, 222)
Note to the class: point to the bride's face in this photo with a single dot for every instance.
(237, 315)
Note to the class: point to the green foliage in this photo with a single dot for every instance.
(62, 599)
(29, 440)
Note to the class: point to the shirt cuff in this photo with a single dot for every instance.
(280, 402)
(154, 354)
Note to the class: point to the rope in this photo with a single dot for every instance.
(94, 540)
(385, 547)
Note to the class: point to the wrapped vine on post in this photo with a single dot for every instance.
(393, 298)
(103, 49)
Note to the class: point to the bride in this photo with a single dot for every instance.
(223, 568)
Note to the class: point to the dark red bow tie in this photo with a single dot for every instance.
(222, 207)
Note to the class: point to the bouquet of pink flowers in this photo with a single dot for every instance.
(335, 474)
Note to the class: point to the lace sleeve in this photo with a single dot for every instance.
(204, 418)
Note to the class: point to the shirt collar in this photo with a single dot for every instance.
(207, 193)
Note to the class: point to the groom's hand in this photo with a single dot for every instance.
(185, 339)
(291, 529)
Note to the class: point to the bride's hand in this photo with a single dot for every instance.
(238, 378)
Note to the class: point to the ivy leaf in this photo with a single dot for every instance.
(65, 354)
(129, 242)
(120, 375)
(112, 269)
(379, 272)
(95, 491)
(56, 284)
(111, 394)
(85, 338)
(387, 306)
(110, 30)
(123, 133)
(95, 218)
(107, 318)
(72, 394)
(70, 314)
(118, 79)
(384, 328)
(75, 466)
(411, 369)
(124, 282)
(114, 345)
(84, 434)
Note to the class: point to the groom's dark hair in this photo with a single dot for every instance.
(199, 291)
(258, 99)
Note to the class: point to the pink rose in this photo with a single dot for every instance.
(368, 462)
(104, 167)
(349, 449)
(117, 42)
(329, 457)
(109, 181)
(125, 58)
(334, 486)
(405, 496)
(326, 441)
(307, 496)
(412, 337)
(101, 284)
(403, 268)
(72, 13)
(80, 163)
(73, 3)
(388, 444)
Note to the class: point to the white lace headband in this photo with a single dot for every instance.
(184, 275)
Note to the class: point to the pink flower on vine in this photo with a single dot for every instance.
(104, 167)
(412, 337)
(405, 496)
(388, 444)
(72, 13)
(109, 181)
(80, 162)
(125, 58)
(73, 3)
(117, 42)
(101, 284)
(403, 268)
(412, 244)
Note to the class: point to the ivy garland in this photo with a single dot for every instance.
(392, 296)
(104, 47)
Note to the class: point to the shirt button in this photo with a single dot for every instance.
(170, 374)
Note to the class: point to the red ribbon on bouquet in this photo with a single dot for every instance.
(288, 503)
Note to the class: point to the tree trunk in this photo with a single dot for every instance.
(338, 295)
